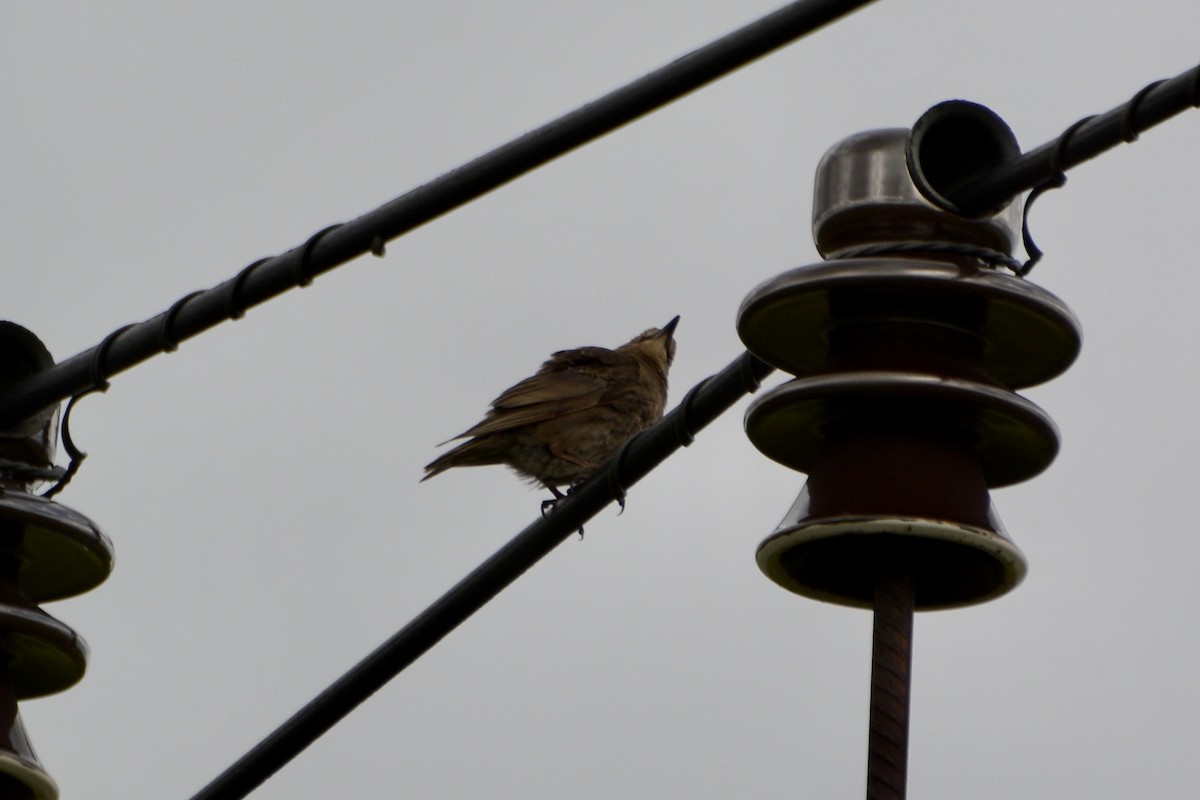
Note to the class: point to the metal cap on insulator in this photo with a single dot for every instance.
(866, 197)
(28, 445)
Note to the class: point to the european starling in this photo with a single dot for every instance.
(557, 427)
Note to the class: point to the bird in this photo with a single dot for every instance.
(557, 427)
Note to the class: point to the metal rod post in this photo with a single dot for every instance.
(891, 679)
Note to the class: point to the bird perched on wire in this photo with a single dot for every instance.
(557, 427)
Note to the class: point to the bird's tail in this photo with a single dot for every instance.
(473, 453)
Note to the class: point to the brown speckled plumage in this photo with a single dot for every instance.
(558, 426)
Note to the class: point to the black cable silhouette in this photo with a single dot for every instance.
(1155, 103)
(704, 403)
(338, 244)
(1044, 166)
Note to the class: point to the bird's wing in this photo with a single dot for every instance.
(571, 381)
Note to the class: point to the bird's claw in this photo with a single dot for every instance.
(550, 504)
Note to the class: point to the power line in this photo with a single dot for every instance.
(703, 404)
(340, 243)
(1086, 139)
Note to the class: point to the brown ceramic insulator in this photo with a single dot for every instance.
(21, 774)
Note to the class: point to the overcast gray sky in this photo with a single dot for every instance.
(261, 484)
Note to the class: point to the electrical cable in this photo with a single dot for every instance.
(708, 400)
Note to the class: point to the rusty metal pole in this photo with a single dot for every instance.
(891, 680)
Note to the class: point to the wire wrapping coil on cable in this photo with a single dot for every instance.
(1057, 180)
(99, 384)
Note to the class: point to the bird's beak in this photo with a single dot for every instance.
(668, 330)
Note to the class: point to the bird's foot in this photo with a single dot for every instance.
(552, 503)
(548, 505)
(619, 496)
